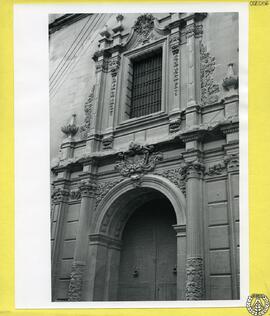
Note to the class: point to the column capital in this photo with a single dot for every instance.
(59, 195)
(193, 169)
(181, 230)
(87, 188)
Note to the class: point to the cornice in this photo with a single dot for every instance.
(66, 20)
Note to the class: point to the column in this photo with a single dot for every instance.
(87, 188)
(181, 261)
(194, 261)
(59, 198)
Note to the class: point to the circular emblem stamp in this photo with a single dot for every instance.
(257, 304)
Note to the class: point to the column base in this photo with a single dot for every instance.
(194, 280)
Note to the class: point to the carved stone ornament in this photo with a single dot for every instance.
(175, 43)
(88, 115)
(231, 80)
(107, 142)
(138, 160)
(193, 168)
(59, 195)
(194, 282)
(216, 169)
(194, 30)
(232, 162)
(144, 24)
(102, 65)
(176, 176)
(174, 126)
(209, 89)
(119, 27)
(104, 188)
(76, 280)
(114, 64)
(87, 188)
(70, 129)
(75, 195)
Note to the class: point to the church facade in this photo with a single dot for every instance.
(145, 157)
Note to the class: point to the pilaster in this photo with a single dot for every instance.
(87, 189)
(194, 170)
(59, 198)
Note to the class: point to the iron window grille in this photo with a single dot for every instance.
(146, 85)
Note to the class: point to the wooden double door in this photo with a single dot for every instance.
(148, 257)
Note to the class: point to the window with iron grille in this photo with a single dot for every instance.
(146, 85)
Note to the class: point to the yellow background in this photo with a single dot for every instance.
(259, 175)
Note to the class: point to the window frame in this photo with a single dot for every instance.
(125, 81)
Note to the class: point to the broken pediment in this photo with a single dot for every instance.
(145, 30)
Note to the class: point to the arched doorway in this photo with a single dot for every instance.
(148, 259)
(110, 219)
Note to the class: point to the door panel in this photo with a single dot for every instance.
(148, 254)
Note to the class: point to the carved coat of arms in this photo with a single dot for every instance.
(137, 160)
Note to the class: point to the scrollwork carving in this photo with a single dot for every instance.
(209, 89)
(194, 283)
(88, 115)
(176, 176)
(104, 188)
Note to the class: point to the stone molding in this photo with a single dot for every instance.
(194, 282)
(76, 281)
(101, 239)
(230, 128)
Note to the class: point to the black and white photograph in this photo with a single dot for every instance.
(144, 151)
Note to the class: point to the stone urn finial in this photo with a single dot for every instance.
(105, 32)
(70, 129)
(119, 26)
(231, 80)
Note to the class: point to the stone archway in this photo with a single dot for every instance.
(113, 213)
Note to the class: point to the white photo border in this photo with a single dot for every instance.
(32, 145)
